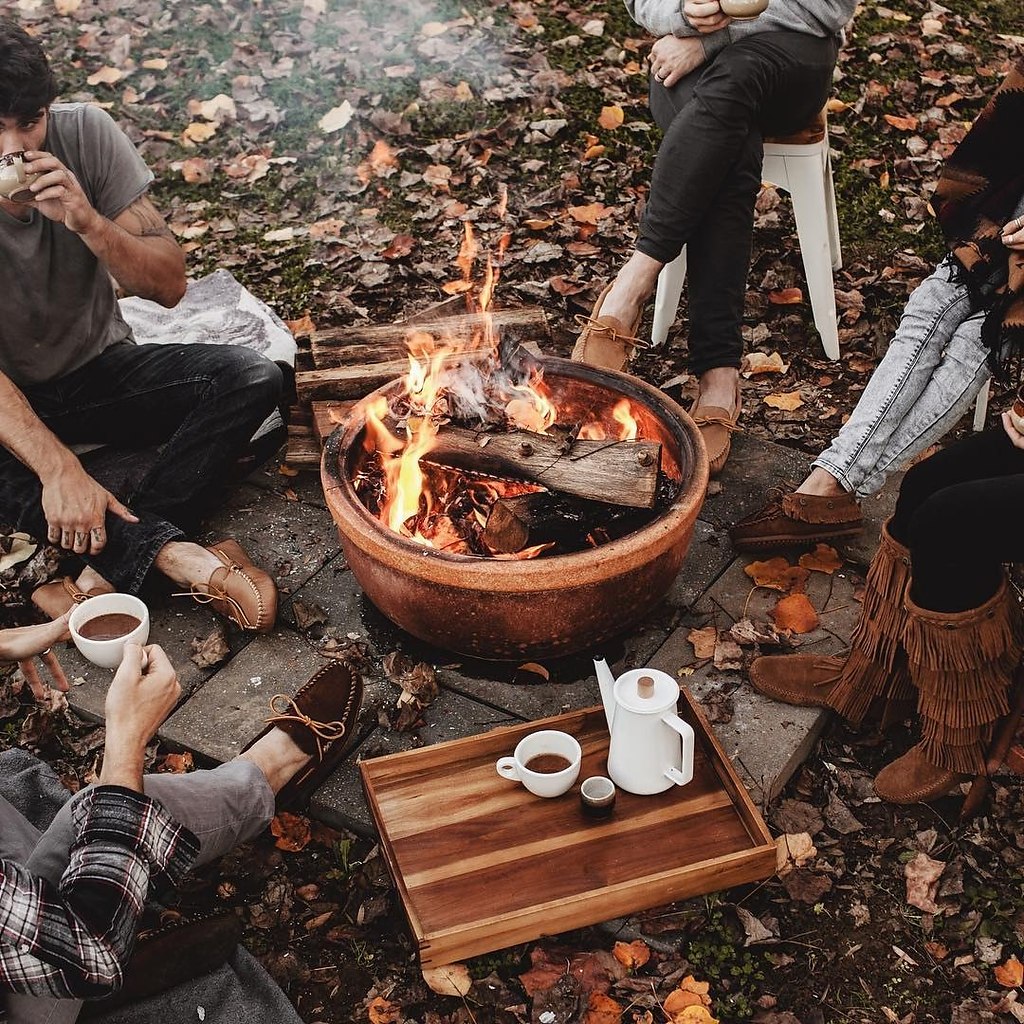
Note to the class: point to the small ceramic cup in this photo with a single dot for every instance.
(1017, 411)
(597, 796)
(743, 10)
(108, 653)
(537, 759)
(14, 182)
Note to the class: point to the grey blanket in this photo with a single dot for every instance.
(239, 992)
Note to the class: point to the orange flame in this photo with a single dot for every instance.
(623, 415)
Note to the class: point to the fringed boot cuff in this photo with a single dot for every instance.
(963, 664)
(876, 666)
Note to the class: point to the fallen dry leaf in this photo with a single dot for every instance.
(380, 1011)
(212, 650)
(199, 131)
(796, 614)
(105, 76)
(292, 830)
(786, 297)
(703, 640)
(755, 363)
(589, 214)
(694, 1015)
(449, 980)
(793, 850)
(788, 401)
(922, 876)
(1009, 974)
(602, 1009)
(777, 574)
(905, 124)
(678, 1000)
(632, 954)
(728, 655)
(822, 559)
(538, 670)
(336, 118)
(177, 764)
(611, 118)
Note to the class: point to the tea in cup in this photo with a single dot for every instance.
(1017, 411)
(102, 625)
(14, 181)
(743, 10)
(546, 762)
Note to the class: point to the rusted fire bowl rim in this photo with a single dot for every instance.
(481, 573)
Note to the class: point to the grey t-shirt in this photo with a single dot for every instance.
(60, 309)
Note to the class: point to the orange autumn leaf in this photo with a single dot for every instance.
(380, 1011)
(602, 1009)
(905, 124)
(787, 401)
(292, 831)
(177, 764)
(197, 170)
(700, 988)
(937, 950)
(381, 160)
(632, 954)
(678, 1000)
(777, 574)
(593, 152)
(611, 117)
(822, 559)
(786, 297)
(589, 214)
(537, 223)
(704, 641)
(694, 1015)
(1010, 974)
(796, 614)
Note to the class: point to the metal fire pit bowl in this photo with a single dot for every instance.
(508, 610)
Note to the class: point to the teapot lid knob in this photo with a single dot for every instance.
(645, 687)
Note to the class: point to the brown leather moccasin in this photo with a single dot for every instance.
(716, 426)
(913, 779)
(606, 341)
(239, 590)
(798, 519)
(805, 680)
(321, 720)
(59, 596)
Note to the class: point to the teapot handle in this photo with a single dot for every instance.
(684, 775)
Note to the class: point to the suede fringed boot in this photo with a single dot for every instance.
(876, 665)
(962, 664)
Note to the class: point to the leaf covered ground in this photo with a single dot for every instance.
(329, 154)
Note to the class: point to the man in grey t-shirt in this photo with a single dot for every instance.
(71, 373)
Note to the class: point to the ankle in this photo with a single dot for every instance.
(822, 484)
(277, 757)
(186, 563)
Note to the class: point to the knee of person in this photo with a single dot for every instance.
(734, 74)
(939, 515)
(919, 484)
(255, 374)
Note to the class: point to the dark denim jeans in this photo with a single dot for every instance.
(708, 171)
(197, 405)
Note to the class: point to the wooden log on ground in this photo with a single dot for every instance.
(615, 472)
(366, 346)
(327, 415)
(302, 449)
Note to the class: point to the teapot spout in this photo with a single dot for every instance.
(606, 681)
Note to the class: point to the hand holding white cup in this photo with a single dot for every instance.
(101, 626)
(546, 762)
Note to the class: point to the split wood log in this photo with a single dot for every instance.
(544, 517)
(354, 346)
(327, 415)
(303, 449)
(615, 472)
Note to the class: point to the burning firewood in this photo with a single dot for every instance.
(610, 471)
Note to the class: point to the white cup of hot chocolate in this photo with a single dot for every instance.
(101, 626)
(743, 10)
(546, 762)
(14, 179)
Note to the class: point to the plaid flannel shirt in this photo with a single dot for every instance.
(74, 941)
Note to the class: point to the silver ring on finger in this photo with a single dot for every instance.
(43, 654)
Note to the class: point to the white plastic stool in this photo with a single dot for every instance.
(981, 406)
(801, 165)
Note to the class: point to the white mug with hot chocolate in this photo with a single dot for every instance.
(743, 10)
(14, 180)
(546, 762)
(101, 626)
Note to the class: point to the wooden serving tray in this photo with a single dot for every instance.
(482, 864)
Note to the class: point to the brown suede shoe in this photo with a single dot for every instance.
(606, 341)
(321, 720)
(59, 596)
(239, 590)
(798, 519)
(716, 426)
(805, 680)
(913, 779)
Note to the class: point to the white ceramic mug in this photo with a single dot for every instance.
(14, 182)
(743, 10)
(544, 741)
(108, 653)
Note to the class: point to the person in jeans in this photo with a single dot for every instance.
(954, 333)
(938, 617)
(70, 372)
(71, 897)
(718, 87)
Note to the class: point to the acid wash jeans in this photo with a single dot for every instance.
(928, 379)
(225, 806)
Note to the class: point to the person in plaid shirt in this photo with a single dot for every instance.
(71, 898)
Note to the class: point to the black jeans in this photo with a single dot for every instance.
(959, 512)
(199, 405)
(708, 171)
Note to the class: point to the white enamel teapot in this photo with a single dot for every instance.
(651, 747)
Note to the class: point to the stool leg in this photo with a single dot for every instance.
(810, 208)
(981, 406)
(666, 298)
(833, 215)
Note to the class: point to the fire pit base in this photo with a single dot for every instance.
(506, 609)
